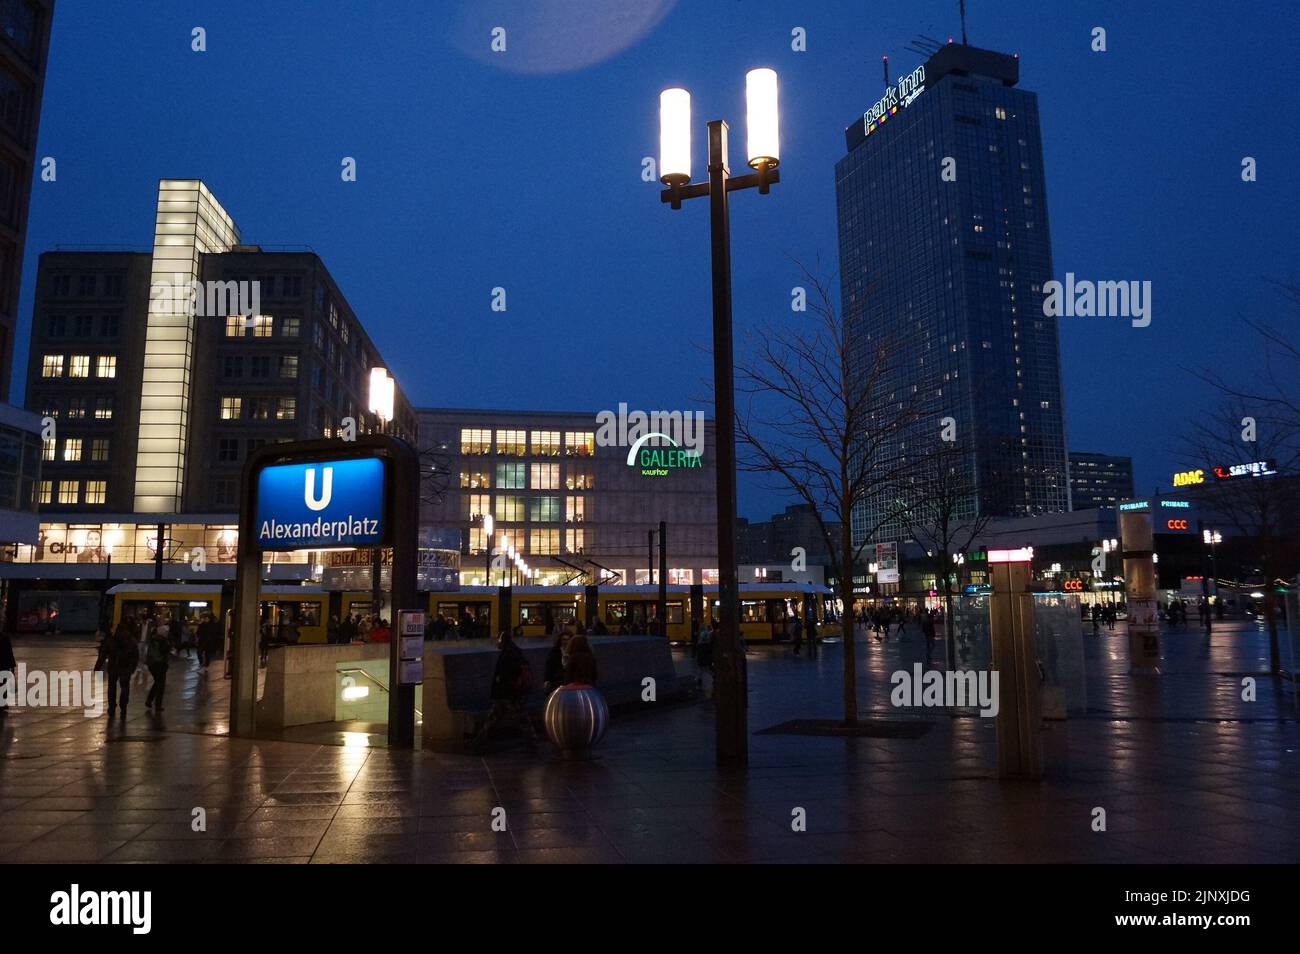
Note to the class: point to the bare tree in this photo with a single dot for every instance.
(943, 515)
(816, 411)
(1259, 508)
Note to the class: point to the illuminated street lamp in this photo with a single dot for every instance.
(763, 154)
(488, 526)
(1212, 539)
(382, 391)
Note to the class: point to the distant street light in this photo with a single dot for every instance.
(763, 152)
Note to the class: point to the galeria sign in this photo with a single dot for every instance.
(331, 503)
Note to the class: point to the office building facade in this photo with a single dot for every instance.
(944, 252)
(572, 506)
(24, 47)
(150, 403)
(1099, 480)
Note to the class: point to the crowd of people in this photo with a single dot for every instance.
(146, 644)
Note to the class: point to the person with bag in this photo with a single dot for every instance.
(512, 680)
(157, 657)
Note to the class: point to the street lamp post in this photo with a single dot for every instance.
(488, 526)
(675, 172)
(1212, 539)
(382, 390)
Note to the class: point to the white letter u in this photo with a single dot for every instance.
(326, 489)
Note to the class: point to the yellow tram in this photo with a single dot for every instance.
(300, 608)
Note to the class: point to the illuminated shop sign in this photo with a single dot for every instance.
(1072, 586)
(658, 461)
(1257, 468)
(895, 98)
(333, 503)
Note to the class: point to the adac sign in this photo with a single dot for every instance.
(331, 503)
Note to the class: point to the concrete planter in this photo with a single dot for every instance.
(576, 719)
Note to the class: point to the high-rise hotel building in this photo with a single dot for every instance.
(944, 251)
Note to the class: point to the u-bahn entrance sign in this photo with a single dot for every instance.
(317, 495)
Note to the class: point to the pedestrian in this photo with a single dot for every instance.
(512, 680)
(119, 655)
(9, 664)
(332, 630)
(797, 635)
(556, 661)
(158, 655)
(580, 669)
(927, 630)
(704, 651)
(380, 632)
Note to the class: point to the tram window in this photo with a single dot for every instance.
(616, 610)
(300, 614)
(752, 611)
(674, 613)
(530, 614)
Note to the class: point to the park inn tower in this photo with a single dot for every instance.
(944, 251)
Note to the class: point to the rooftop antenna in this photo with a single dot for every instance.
(961, 6)
(885, 61)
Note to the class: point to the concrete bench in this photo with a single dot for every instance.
(458, 680)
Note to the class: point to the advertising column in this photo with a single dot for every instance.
(1137, 545)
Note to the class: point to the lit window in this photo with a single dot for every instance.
(52, 366)
(289, 327)
(573, 541)
(286, 408)
(510, 476)
(104, 408)
(76, 408)
(47, 492)
(72, 449)
(106, 366)
(99, 449)
(512, 443)
(474, 479)
(579, 479)
(235, 326)
(546, 443)
(544, 509)
(473, 505)
(1000, 113)
(579, 443)
(68, 491)
(545, 477)
(79, 366)
(230, 408)
(47, 449)
(96, 491)
(544, 542)
(575, 509)
(509, 508)
(262, 326)
(288, 365)
(473, 441)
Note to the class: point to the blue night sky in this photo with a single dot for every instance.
(522, 169)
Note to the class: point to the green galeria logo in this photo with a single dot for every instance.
(658, 461)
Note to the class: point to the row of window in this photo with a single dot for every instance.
(262, 326)
(70, 492)
(82, 326)
(510, 508)
(78, 365)
(88, 286)
(260, 366)
(259, 408)
(74, 447)
(79, 408)
(516, 443)
(541, 541)
(529, 477)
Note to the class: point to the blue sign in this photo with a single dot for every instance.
(332, 503)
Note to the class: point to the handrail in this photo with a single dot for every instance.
(376, 681)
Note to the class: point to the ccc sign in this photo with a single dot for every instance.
(1072, 586)
(1176, 524)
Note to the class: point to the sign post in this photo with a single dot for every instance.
(317, 495)
(1015, 658)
